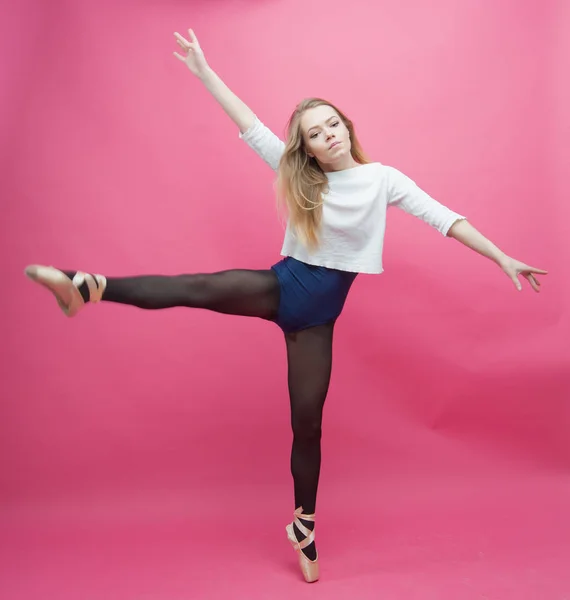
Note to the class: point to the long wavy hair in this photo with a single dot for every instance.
(301, 183)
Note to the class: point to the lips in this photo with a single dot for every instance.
(333, 145)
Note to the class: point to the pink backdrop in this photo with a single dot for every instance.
(146, 454)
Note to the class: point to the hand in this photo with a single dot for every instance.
(194, 57)
(513, 268)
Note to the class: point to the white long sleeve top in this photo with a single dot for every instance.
(354, 209)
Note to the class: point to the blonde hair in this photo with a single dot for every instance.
(301, 182)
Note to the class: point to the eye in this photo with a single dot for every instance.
(314, 135)
(335, 123)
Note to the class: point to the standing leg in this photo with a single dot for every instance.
(237, 291)
(309, 354)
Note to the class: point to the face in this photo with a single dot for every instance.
(327, 138)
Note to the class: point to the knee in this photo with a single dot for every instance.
(200, 289)
(307, 425)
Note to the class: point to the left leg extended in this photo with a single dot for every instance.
(242, 292)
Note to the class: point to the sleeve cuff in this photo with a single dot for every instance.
(246, 135)
(451, 222)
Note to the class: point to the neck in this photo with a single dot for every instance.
(346, 162)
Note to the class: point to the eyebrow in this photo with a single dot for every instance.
(316, 126)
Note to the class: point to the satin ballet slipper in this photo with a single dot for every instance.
(309, 568)
(66, 290)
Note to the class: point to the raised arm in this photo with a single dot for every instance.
(261, 139)
(195, 60)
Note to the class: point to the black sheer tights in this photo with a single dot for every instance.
(309, 352)
(309, 356)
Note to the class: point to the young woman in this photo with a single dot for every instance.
(336, 202)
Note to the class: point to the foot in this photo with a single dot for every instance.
(311, 550)
(301, 534)
(71, 289)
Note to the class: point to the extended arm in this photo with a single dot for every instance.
(195, 60)
(404, 193)
(262, 140)
(465, 233)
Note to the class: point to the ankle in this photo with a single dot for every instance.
(91, 287)
(308, 524)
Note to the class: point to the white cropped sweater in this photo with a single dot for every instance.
(354, 209)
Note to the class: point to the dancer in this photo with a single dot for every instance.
(336, 201)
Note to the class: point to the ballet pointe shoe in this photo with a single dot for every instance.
(309, 568)
(66, 290)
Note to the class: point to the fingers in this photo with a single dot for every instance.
(183, 45)
(528, 269)
(534, 279)
(534, 283)
(181, 40)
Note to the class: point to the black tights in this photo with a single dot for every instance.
(309, 352)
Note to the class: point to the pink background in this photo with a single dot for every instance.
(146, 454)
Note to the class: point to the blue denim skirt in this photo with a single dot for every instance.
(309, 295)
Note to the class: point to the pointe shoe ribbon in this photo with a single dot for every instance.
(310, 534)
(309, 568)
(95, 283)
